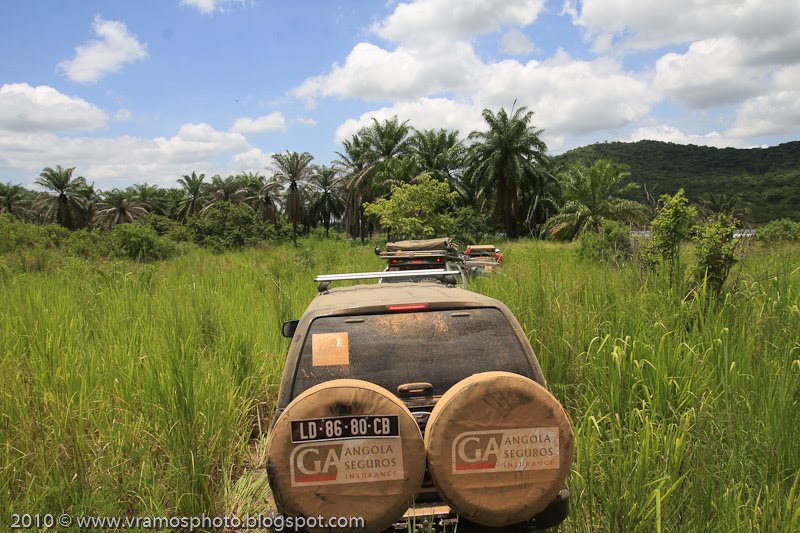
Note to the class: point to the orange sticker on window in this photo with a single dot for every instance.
(330, 349)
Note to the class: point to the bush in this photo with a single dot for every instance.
(782, 230)
(669, 229)
(142, 243)
(227, 226)
(166, 227)
(19, 235)
(470, 226)
(91, 244)
(716, 252)
(612, 244)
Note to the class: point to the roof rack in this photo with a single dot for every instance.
(326, 279)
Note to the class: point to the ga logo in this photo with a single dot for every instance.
(506, 450)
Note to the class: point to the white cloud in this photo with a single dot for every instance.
(775, 113)
(423, 21)
(568, 95)
(119, 161)
(114, 48)
(515, 43)
(372, 73)
(638, 24)
(207, 7)
(306, 121)
(253, 160)
(674, 135)
(712, 72)
(273, 121)
(25, 108)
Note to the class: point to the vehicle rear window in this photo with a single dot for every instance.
(438, 347)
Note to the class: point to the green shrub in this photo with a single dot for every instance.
(783, 230)
(142, 243)
(166, 227)
(716, 252)
(17, 235)
(612, 244)
(669, 229)
(227, 226)
(470, 226)
(90, 244)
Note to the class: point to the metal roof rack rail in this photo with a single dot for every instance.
(326, 279)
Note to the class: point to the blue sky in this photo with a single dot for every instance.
(146, 91)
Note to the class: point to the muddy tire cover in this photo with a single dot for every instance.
(499, 448)
(372, 466)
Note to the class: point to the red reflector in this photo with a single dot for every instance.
(416, 261)
(438, 259)
(408, 307)
(393, 261)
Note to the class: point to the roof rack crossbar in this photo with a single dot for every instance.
(420, 253)
(392, 274)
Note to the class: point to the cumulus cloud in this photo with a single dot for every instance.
(712, 72)
(24, 108)
(568, 95)
(674, 135)
(119, 161)
(373, 73)
(423, 21)
(207, 7)
(115, 47)
(637, 24)
(515, 43)
(273, 121)
(775, 113)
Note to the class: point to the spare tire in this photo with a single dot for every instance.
(346, 448)
(499, 448)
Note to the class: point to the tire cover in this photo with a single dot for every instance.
(373, 477)
(499, 448)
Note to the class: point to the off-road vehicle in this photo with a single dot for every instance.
(482, 258)
(416, 403)
(425, 254)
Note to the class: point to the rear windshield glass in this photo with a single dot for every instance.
(438, 347)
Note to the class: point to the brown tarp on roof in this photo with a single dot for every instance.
(424, 244)
(482, 248)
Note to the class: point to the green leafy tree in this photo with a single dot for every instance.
(230, 189)
(418, 210)
(591, 195)
(506, 159)
(62, 201)
(227, 226)
(293, 169)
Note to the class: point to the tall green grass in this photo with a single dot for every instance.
(138, 389)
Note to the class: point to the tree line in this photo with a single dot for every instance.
(501, 176)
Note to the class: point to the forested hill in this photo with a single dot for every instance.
(768, 179)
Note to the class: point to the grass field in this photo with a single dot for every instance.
(135, 389)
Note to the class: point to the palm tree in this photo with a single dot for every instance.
(293, 169)
(355, 168)
(262, 196)
(61, 202)
(592, 194)
(151, 196)
(387, 142)
(13, 199)
(718, 203)
(506, 158)
(118, 207)
(326, 196)
(230, 189)
(439, 153)
(194, 196)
